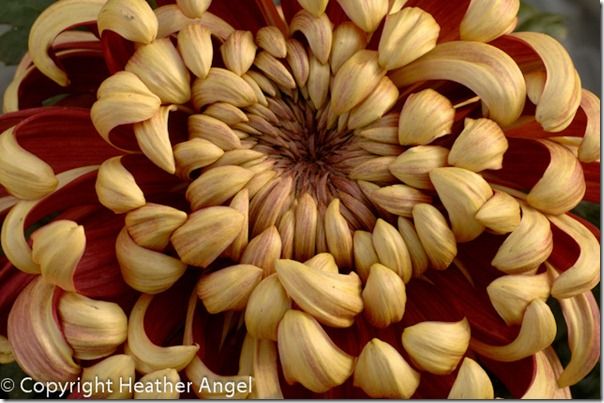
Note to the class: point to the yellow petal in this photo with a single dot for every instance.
(414, 165)
(238, 52)
(317, 30)
(562, 185)
(589, 150)
(152, 225)
(308, 355)
(318, 82)
(437, 347)
(436, 237)
(486, 70)
(399, 199)
(481, 145)
(364, 253)
(151, 356)
(347, 40)
(338, 235)
(53, 20)
(379, 102)
(161, 384)
(384, 297)
(222, 85)
(298, 61)
(333, 299)
(193, 8)
(463, 193)
(58, 247)
(408, 34)
(229, 288)
(419, 258)
(160, 67)
(274, 70)
(562, 91)
(272, 40)
(487, 20)
(383, 373)
(116, 188)
(22, 173)
(544, 384)
(529, 245)
(94, 329)
(367, 14)
(501, 213)
(266, 306)
(133, 20)
(111, 371)
(391, 249)
(537, 331)
(195, 47)
(472, 382)
(263, 250)
(305, 227)
(146, 270)
(217, 185)
(315, 7)
(153, 138)
(211, 129)
(194, 154)
(426, 116)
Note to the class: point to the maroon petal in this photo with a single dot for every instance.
(13, 282)
(448, 14)
(248, 15)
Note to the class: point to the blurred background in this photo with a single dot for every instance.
(576, 23)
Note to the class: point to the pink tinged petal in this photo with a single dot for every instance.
(589, 150)
(584, 272)
(484, 69)
(36, 338)
(561, 94)
(543, 384)
(13, 281)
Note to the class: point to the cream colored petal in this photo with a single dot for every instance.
(338, 235)
(383, 97)
(206, 234)
(364, 253)
(122, 98)
(229, 288)
(315, 7)
(160, 67)
(14, 244)
(151, 356)
(463, 193)
(195, 47)
(305, 227)
(309, 356)
(222, 85)
(194, 154)
(374, 170)
(22, 173)
(323, 262)
(51, 22)
(263, 250)
(408, 34)
(486, 70)
(265, 308)
(333, 299)
(133, 20)
(116, 188)
(472, 382)
(58, 247)
(589, 150)
(153, 138)
(241, 203)
(419, 258)
(214, 130)
(151, 225)
(426, 116)
(481, 145)
(435, 236)
(317, 30)
(537, 332)
(399, 199)
(272, 40)
(529, 245)
(146, 270)
(229, 114)
(437, 347)
(562, 92)
(582, 317)
(391, 249)
(274, 70)
(112, 370)
(383, 373)
(94, 329)
(217, 185)
(562, 185)
(487, 20)
(238, 52)
(384, 297)
(161, 384)
(355, 80)
(348, 39)
(511, 294)
(584, 274)
(544, 384)
(318, 82)
(500, 214)
(367, 14)
(298, 61)
(414, 165)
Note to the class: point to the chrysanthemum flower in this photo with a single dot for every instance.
(336, 198)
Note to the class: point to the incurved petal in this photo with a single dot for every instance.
(486, 70)
(543, 385)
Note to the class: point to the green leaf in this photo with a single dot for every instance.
(13, 45)
(531, 19)
(22, 13)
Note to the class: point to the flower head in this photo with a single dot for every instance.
(335, 198)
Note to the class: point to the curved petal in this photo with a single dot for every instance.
(544, 384)
(486, 70)
(449, 15)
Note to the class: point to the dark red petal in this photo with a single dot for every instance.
(65, 138)
(566, 250)
(592, 180)
(448, 14)
(524, 56)
(250, 15)
(85, 69)
(117, 50)
(517, 376)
